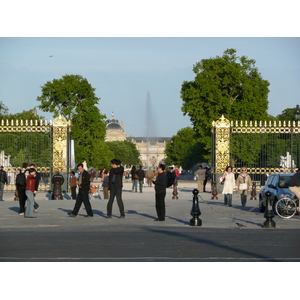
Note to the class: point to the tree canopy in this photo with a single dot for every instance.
(185, 149)
(73, 97)
(228, 85)
(125, 151)
(65, 96)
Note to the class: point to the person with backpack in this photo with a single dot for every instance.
(170, 177)
(21, 187)
(160, 183)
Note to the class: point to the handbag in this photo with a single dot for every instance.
(136, 176)
(222, 182)
(243, 186)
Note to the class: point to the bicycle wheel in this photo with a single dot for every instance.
(285, 207)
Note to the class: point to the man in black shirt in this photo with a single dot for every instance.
(160, 192)
(83, 193)
(115, 187)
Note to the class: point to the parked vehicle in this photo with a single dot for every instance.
(278, 185)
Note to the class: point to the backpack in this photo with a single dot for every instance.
(21, 179)
(171, 179)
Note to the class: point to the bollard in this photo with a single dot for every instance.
(195, 212)
(214, 191)
(175, 193)
(269, 214)
(253, 192)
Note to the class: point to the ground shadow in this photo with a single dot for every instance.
(134, 212)
(15, 209)
(200, 240)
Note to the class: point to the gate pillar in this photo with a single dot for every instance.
(60, 145)
(222, 142)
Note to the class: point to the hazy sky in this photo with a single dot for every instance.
(123, 70)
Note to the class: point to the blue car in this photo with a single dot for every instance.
(277, 185)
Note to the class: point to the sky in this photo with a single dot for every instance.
(124, 70)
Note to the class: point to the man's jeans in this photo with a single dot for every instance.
(1, 190)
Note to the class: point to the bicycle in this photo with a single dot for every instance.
(286, 207)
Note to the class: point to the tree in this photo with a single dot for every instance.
(287, 114)
(227, 85)
(3, 109)
(125, 151)
(73, 97)
(65, 96)
(185, 149)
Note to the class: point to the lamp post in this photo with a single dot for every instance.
(297, 117)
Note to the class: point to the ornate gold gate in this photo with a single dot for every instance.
(263, 147)
(46, 144)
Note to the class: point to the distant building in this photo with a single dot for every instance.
(152, 149)
(115, 131)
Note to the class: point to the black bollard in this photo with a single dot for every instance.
(269, 214)
(195, 212)
(214, 191)
(253, 191)
(175, 193)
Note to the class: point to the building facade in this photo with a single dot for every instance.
(152, 149)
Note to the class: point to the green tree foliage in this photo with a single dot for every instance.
(125, 151)
(3, 109)
(228, 85)
(185, 149)
(288, 114)
(73, 97)
(65, 96)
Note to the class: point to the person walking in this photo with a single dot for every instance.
(115, 187)
(83, 193)
(73, 185)
(3, 180)
(21, 187)
(228, 186)
(149, 176)
(243, 183)
(30, 188)
(134, 178)
(160, 183)
(140, 172)
(57, 181)
(200, 174)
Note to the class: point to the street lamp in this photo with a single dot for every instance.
(297, 117)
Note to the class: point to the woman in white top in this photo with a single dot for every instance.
(229, 185)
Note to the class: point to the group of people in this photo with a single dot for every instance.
(242, 184)
(27, 183)
(115, 185)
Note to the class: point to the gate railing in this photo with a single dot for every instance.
(59, 148)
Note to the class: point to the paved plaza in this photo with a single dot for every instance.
(54, 236)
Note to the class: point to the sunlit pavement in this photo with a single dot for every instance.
(54, 236)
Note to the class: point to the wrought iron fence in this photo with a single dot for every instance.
(262, 147)
(45, 144)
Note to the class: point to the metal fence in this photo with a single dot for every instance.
(45, 144)
(262, 147)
